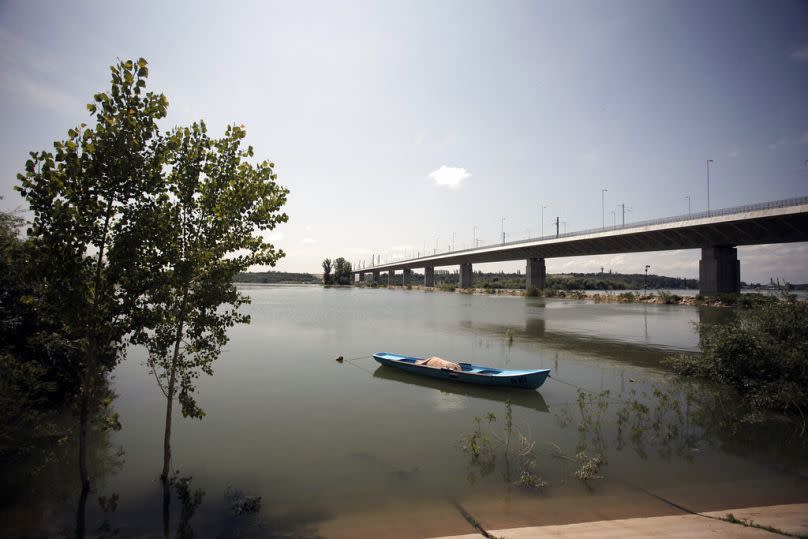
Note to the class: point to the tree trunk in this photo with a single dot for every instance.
(83, 420)
(172, 381)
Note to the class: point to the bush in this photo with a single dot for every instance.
(532, 292)
(763, 353)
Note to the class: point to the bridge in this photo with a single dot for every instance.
(717, 233)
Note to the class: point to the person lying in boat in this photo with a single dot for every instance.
(439, 363)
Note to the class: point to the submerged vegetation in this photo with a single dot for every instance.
(762, 354)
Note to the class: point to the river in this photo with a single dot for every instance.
(355, 449)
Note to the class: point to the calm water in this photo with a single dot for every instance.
(356, 449)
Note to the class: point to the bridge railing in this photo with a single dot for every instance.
(649, 222)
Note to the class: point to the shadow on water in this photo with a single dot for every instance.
(532, 400)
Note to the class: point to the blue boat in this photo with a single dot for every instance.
(472, 374)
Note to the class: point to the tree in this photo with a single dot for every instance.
(342, 271)
(81, 236)
(206, 228)
(327, 271)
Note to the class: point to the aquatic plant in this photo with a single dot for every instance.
(589, 467)
(763, 354)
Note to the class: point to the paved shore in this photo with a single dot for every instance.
(781, 520)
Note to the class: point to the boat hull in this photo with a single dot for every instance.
(470, 374)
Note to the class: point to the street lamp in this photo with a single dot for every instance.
(603, 207)
(453, 241)
(614, 218)
(475, 237)
(503, 230)
(645, 283)
(708, 186)
(688, 204)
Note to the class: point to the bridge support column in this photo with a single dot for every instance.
(535, 273)
(390, 275)
(375, 275)
(362, 277)
(719, 270)
(429, 276)
(465, 275)
(405, 279)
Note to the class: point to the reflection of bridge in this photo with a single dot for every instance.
(717, 233)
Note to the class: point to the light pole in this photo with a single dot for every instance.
(603, 207)
(614, 218)
(688, 204)
(645, 283)
(475, 238)
(453, 241)
(503, 230)
(708, 186)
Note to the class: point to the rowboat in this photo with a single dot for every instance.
(472, 374)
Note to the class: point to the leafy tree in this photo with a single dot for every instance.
(342, 271)
(81, 236)
(327, 271)
(207, 228)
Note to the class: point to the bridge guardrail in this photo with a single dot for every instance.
(649, 222)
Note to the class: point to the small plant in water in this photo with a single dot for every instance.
(241, 503)
(588, 468)
(509, 335)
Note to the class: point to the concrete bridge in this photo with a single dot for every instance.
(717, 233)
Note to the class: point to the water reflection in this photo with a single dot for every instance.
(532, 400)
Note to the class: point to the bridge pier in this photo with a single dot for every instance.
(535, 273)
(405, 279)
(362, 277)
(719, 270)
(465, 275)
(390, 275)
(375, 275)
(429, 276)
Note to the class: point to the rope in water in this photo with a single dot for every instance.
(557, 379)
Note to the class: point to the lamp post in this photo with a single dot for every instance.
(453, 241)
(688, 204)
(503, 230)
(603, 207)
(475, 237)
(708, 186)
(614, 218)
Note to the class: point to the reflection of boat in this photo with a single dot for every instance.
(527, 399)
(472, 374)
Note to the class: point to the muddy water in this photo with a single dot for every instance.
(356, 449)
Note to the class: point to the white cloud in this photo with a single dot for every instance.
(734, 153)
(800, 55)
(782, 141)
(804, 138)
(308, 241)
(449, 176)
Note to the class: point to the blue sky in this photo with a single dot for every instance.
(397, 125)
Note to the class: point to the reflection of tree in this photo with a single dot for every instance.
(42, 479)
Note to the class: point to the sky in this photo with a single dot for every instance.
(401, 126)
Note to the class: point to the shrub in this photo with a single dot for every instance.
(532, 292)
(763, 353)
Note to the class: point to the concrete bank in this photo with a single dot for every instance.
(781, 521)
